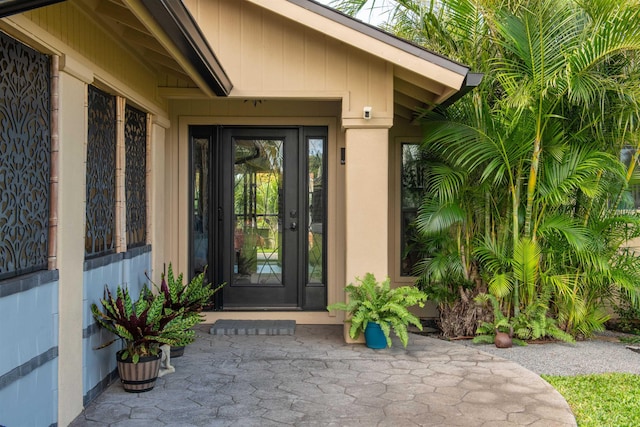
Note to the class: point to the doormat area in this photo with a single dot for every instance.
(253, 327)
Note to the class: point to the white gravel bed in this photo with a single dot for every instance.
(599, 355)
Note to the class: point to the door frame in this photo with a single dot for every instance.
(305, 291)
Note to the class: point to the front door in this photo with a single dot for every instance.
(267, 242)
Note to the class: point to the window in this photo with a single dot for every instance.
(101, 174)
(316, 183)
(25, 165)
(412, 190)
(631, 199)
(135, 137)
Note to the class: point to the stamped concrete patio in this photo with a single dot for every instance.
(313, 378)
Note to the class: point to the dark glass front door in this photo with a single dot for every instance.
(267, 242)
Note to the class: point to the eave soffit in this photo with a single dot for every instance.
(165, 38)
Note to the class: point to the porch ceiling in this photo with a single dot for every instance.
(178, 54)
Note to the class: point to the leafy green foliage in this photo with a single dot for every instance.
(526, 180)
(189, 298)
(486, 332)
(143, 325)
(534, 323)
(601, 399)
(531, 324)
(373, 301)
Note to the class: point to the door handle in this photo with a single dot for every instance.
(293, 226)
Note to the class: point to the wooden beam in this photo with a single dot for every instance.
(164, 60)
(420, 81)
(407, 101)
(119, 14)
(404, 112)
(413, 91)
(143, 39)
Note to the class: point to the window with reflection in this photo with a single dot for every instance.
(258, 183)
(631, 197)
(200, 248)
(316, 202)
(413, 188)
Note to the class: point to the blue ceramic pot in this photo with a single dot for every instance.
(374, 337)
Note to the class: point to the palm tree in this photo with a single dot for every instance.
(542, 136)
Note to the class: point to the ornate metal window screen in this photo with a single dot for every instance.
(101, 174)
(25, 144)
(135, 137)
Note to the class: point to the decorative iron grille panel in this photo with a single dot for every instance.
(25, 147)
(135, 137)
(101, 174)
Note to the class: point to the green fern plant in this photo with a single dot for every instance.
(373, 301)
(533, 323)
(486, 332)
(142, 325)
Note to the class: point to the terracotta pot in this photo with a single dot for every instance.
(503, 339)
(138, 377)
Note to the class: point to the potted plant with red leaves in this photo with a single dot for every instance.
(143, 326)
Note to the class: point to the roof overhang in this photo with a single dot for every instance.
(11, 7)
(422, 79)
(178, 24)
(163, 36)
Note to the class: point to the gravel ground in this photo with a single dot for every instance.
(603, 353)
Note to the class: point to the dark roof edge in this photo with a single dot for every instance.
(11, 7)
(471, 81)
(176, 21)
(381, 35)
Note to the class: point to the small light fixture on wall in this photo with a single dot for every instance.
(366, 113)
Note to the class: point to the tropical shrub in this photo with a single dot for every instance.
(525, 177)
(373, 301)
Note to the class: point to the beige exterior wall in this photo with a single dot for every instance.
(267, 55)
(157, 180)
(71, 216)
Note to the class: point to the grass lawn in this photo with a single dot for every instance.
(601, 400)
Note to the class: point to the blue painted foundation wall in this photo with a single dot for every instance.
(29, 350)
(128, 269)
